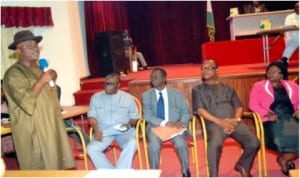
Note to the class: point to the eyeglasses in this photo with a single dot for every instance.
(111, 83)
(208, 68)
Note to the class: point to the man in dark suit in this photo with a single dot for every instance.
(175, 114)
(222, 109)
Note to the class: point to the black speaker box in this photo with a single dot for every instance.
(110, 51)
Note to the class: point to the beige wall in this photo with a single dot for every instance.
(63, 44)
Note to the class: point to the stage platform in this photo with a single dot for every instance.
(184, 77)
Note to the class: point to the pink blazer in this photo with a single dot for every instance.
(262, 96)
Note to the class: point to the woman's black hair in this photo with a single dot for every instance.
(281, 67)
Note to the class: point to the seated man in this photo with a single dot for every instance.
(156, 101)
(107, 110)
(132, 52)
(222, 109)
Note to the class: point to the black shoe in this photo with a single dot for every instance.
(284, 61)
(291, 165)
(147, 68)
(187, 173)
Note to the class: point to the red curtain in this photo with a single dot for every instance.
(167, 32)
(102, 16)
(26, 16)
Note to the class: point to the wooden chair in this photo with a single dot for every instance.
(296, 79)
(114, 145)
(261, 154)
(192, 143)
(80, 154)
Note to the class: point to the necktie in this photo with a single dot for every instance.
(160, 107)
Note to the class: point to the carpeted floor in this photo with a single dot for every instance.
(170, 165)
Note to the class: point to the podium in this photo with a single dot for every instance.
(249, 24)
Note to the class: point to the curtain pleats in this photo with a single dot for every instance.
(26, 16)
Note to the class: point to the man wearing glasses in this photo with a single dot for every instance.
(222, 109)
(112, 115)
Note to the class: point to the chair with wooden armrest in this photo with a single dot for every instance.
(259, 131)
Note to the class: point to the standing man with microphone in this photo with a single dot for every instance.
(40, 139)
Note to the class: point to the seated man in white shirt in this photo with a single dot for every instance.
(291, 38)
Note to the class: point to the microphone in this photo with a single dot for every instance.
(43, 63)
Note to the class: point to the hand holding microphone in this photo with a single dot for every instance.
(43, 64)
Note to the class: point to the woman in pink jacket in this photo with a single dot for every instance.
(276, 100)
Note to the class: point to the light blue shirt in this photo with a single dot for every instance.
(111, 110)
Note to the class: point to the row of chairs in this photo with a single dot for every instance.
(192, 142)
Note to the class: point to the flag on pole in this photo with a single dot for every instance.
(210, 23)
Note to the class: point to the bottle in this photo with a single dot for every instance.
(134, 62)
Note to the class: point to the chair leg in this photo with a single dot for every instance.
(193, 154)
(84, 152)
(115, 154)
(137, 138)
(195, 158)
(205, 145)
(143, 126)
(264, 161)
(194, 146)
(139, 156)
(259, 163)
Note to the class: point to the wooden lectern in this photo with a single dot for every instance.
(249, 24)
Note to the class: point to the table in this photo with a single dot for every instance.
(265, 38)
(124, 173)
(72, 111)
(68, 112)
(249, 24)
(5, 129)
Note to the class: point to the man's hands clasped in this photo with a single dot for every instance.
(229, 124)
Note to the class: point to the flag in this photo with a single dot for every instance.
(210, 23)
